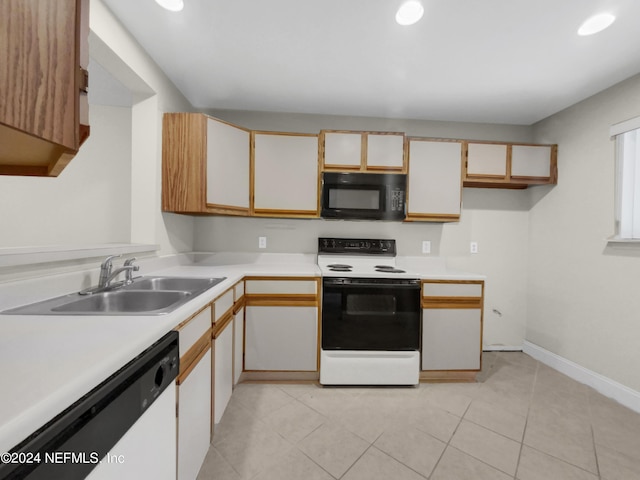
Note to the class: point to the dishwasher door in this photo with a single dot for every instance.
(120, 430)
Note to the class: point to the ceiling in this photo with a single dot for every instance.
(495, 61)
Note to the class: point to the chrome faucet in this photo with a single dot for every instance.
(107, 274)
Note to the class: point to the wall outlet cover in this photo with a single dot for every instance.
(262, 242)
(474, 247)
(426, 246)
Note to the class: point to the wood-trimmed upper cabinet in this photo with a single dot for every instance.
(509, 165)
(44, 112)
(435, 179)
(205, 165)
(284, 174)
(343, 150)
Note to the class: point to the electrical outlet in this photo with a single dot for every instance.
(262, 242)
(474, 247)
(426, 246)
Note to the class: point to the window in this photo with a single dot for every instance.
(627, 221)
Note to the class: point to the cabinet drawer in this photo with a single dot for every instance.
(222, 304)
(281, 287)
(192, 330)
(437, 289)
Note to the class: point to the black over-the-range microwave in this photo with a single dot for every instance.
(364, 196)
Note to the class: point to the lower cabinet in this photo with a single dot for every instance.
(194, 412)
(193, 393)
(451, 329)
(281, 338)
(223, 370)
(451, 339)
(238, 345)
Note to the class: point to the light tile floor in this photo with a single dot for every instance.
(521, 420)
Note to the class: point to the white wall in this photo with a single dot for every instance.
(583, 295)
(117, 51)
(89, 203)
(110, 192)
(496, 219)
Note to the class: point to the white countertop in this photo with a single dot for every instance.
(48, 362)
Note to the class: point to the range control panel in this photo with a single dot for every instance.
(356, 246)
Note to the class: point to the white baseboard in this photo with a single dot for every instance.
(610, 388)
(502, 348)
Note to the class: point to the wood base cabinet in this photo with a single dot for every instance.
(451, 329)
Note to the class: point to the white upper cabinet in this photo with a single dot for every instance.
(362, 151)
(385, 151)
(343, 150)
(487, 159)
(510, 165)
(227, 165)
(205, 165)
(285, 174)
(531, 161)
(435, 180)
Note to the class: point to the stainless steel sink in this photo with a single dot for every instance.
(125, 301)
(145, 296)
(186, 284)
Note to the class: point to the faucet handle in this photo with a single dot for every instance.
(128, 262)
(107, 261)
(129, 272)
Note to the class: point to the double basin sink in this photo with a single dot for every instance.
(144, 296)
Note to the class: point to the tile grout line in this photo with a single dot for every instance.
(435, 467)
(526, 422)
(593, 435)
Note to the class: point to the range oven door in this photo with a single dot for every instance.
(370, 314)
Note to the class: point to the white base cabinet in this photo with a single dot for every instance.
(238, 345)
(194, 412)
(281, 338)
(223, 374)
(451, 338)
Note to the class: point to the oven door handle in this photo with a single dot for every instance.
(412, 284)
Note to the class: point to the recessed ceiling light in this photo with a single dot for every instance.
(172, 5)
(596, 24)
(409, 12)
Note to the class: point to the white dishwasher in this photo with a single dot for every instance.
(123, 429)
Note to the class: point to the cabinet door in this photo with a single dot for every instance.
(531, 161)
(487, 159)
(285, 174)
(435, 180)
(194, 414)
(227, 165)
(451, 338)
(281, 338)
(238, 345)
(385, 151)
(343, 150)
(43, 46)
(223, 376)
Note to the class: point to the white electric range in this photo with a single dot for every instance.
(371, 315)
